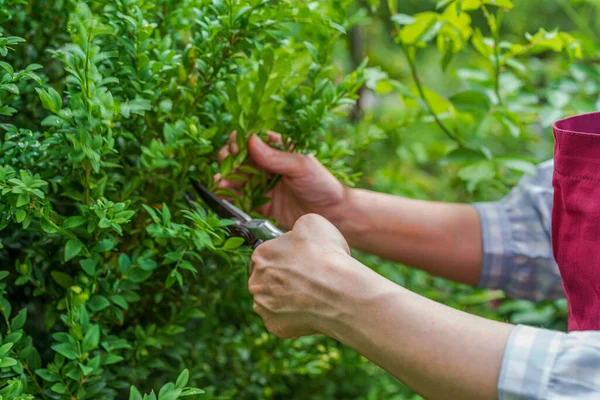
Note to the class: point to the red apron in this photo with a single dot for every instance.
(576, 216)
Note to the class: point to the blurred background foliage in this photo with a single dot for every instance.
(417, 160)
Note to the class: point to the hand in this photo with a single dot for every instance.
(301, 280)
(305, 187)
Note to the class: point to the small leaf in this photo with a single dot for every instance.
(73, 222)
(64, 280)
(72, 249)
(59, 388)
(89, 266)
(183, 379)
(124, 263)
(47, 225)
(6, 362)
(134, 394)
(47, 375)
(98, 303)
(20, 216)
(92, 338)
(103, 246)
(22, 200)
(68, 350)
(85, 369)
(166, 215)
(5, 348)
(233, 243)
(18, 321)
(120, 301)
(403, 19)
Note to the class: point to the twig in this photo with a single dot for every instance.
(417, 80)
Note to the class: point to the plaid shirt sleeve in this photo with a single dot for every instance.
(539, 364)
(517, 246)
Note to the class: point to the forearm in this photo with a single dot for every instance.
(441, 353)
(443, 239)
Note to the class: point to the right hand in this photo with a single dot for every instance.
(305, 187)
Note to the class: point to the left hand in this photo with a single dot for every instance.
(300, 280)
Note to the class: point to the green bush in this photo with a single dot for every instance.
(110, 279)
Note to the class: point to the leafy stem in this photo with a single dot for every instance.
(417, 80)
(495, 25)
(34, 380)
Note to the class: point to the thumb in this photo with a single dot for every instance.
(275, 161)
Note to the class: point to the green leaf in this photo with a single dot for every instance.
(91, 338)
(134, 394)
(73, 222)
(85, 369)
(67, 350)
(4, 274)
(89, 266)
(191, 392)
(337, 27)
(64, 280)
(227, 166)
(72, 249)
(477, 173)
(51, 100)
(98, 303)
(47, 375)
(20, 216)
(18, 321)
(233, 243)
(5, 348)
(6, 362)
(47, 226)
(22, 200)
(183, 379)
(403, 19)
(59, 388)
(120, 301)
(152, 213)
(103, 246)
(464, 155)
(112, 359)
(166, 215)
(314, 53)
(124, 263)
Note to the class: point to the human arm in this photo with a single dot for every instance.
(444, 239)
(504, 244)
(307, 282)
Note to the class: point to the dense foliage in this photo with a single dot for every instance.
(111, 279)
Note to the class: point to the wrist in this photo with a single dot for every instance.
(350, 217)
(358, 293)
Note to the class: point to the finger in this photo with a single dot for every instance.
(275, 161)
(274, 137)
(315, 226)
(223, 153)
(233, 147)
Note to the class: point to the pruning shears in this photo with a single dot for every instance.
(254, 231)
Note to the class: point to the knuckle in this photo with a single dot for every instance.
(307, 220)
(258, 256)
(253, 286)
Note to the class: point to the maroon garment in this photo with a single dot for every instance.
(576, 216)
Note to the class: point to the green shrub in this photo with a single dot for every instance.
(110, 279)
